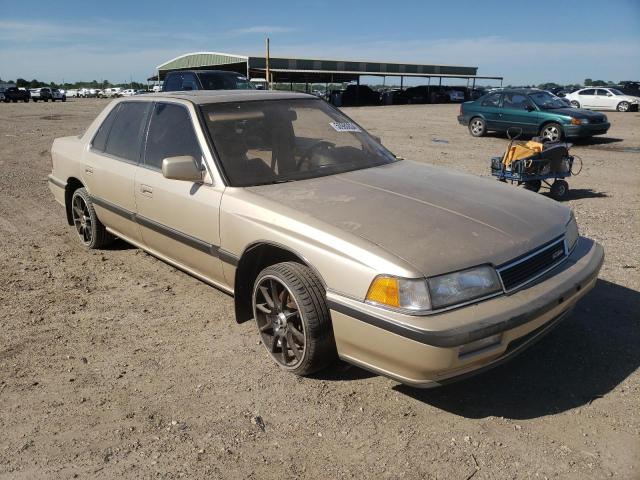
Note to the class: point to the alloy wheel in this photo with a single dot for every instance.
(82, 219)
(476, 127)
(623, 106)
(279, 322)
(551, 133)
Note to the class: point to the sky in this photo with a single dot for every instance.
(527, 42)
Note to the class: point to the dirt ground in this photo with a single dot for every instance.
(116, 365)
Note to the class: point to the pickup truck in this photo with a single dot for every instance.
(43, 94)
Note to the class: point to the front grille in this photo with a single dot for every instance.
(597, 120)
(531, 266)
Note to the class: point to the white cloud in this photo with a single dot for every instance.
(260, 29)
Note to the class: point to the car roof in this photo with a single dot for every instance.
(202, 97)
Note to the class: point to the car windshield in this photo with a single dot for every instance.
(547, 101)
(616, 91)
(224, 81)
(273, 141)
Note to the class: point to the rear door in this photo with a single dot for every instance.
(110, 166)
(179, 220)
(587, 97)
(514, 113)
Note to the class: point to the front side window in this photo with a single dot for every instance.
(516, 101)
(546, 100)
(491, 100)
(125, 138)
(601, 92)
(171, 134)
(274, 141)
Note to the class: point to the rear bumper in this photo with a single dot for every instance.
(427, 351)
(58, 188)
(582, 131)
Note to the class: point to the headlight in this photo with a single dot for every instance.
(579, 121)
(463, 286)
(572, 234)
(406, 293)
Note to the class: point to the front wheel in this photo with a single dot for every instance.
(90, 229)
(623, 107)
(575, 104)
(551, 132)
(477, 127)
(293, 319)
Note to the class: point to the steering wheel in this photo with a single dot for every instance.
(321, 146)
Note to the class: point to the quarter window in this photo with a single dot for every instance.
(125, 138)
(171, 134)
(492, 100)
(100, 140)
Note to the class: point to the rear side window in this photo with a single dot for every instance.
(589, 91)
(125, 138)
(100, 140)
(171, 134)
(491, 100)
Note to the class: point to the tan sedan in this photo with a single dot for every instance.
(332, 244)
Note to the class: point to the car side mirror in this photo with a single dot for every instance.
(377, 139)
(609, 94)
(181, 168)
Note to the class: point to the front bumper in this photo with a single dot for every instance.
(588, 130)
(426, 350)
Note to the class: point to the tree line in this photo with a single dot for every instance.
(23, 83)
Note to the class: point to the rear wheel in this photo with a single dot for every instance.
(293, 319)
(559, 189)
(477, 127)
(90, 229)
(551, 132)
(623, 107)
(575, 104)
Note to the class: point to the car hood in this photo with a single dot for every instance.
(576, 113)
(436, 219)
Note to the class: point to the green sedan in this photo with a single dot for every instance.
(536, 112)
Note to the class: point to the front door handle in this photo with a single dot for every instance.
(146, 190)
(88, 170)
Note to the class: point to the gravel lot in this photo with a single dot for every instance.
(116, 365)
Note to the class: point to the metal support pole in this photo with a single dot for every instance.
(401, 82)
(267, 66)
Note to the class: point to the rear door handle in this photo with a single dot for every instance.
(88, 170)
(146, 190)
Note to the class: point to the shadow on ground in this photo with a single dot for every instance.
(579, 362)
(580, 193)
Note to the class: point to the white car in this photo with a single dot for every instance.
(111, 92)
(129, 92)
(602, 98)
(72, 93)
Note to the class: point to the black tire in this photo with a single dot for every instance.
(623, 107)
(90, 229)
(35, 100)
(46, 99)
(575, 104)
(533, 185)
(26, 100)
(477, 127)
(552, 132)
(304, 315)
(64, 99)
(559, 189)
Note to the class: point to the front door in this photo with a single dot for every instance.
(518, 112)
(603, 99)
(179, 220)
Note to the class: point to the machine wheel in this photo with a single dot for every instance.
(575, 104)
(559, 189)
(623, 107)
(477, 127)
(90, 229)
(293, 319)
(533, 185)
(552, 132)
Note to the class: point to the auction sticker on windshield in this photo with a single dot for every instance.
(345, 127)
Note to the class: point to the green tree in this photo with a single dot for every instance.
(588, 81)
(22, 83)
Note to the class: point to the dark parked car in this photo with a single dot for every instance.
(629, 88)
(355, 95)
(204, 80)
(15, 94)
(424, 94)
(536, 112)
